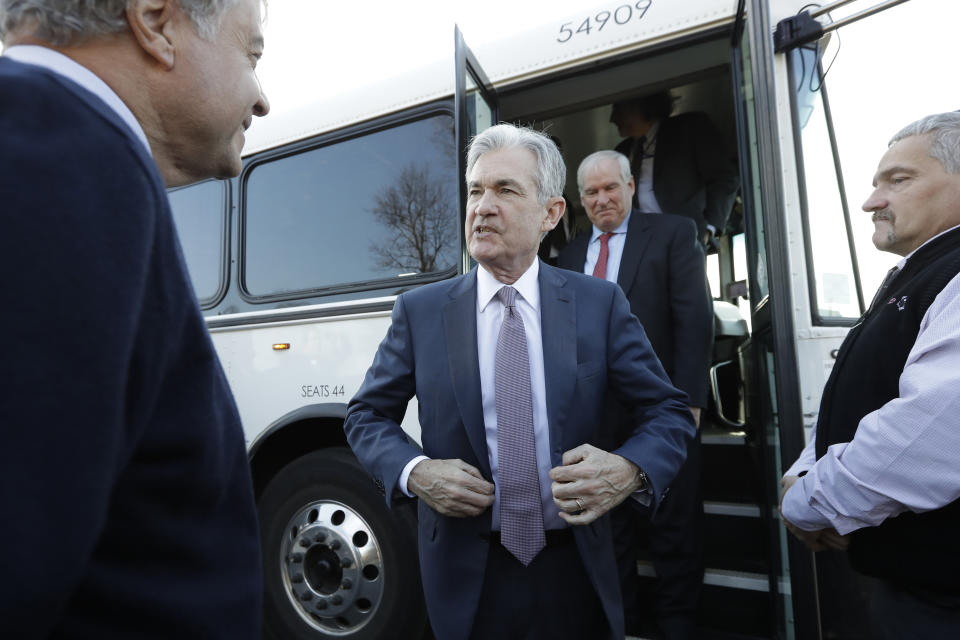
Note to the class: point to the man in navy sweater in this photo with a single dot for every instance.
(125, 493)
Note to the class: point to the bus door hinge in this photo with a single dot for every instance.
(803, 27)
(795, 31)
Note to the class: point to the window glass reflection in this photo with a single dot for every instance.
(374, 208)
(831, 262)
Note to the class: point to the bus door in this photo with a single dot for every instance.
(768, 360)
(836, 61)
(477, 107)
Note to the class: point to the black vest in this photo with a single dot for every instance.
(916, 549)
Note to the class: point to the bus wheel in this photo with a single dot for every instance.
(337, 562)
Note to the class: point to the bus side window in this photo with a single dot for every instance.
(199, 212)
(364, 212)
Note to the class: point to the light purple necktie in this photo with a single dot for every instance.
(521, 515)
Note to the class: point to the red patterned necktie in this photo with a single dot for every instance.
(600, 270)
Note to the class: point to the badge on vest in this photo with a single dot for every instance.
(901, 303)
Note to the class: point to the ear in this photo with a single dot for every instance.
(152, 23)
(631, 187)
(555, 208)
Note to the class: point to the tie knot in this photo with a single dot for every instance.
(507, 295)
(605, 237)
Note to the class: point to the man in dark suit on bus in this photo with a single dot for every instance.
(128, 510)
(678, 163)
(658, 263)
(510, 364)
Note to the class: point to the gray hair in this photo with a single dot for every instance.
(597, 156)
(945, 144)
(67, 22)
(551, 172)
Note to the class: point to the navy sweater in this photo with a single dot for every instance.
(126, 508)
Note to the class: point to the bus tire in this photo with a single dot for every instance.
(337, 563)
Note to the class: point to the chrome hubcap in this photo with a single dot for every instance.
(332, 567)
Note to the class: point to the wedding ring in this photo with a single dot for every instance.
(579, 503)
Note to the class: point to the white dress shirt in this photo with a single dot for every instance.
(489, 319)
(646, 199)
(614, 245)
(66, 67)
(905, 456)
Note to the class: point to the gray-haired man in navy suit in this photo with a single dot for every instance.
(511, 363)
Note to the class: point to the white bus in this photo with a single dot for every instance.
(343, 205)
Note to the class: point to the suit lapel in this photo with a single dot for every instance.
(460, 332)
(636, 243)
(558, 322)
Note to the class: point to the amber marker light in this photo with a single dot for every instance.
(281, 346)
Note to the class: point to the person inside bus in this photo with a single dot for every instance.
(678, 163)
(511, 364)
(128, 508)
(567, 229)
(660, 266)
(880, 476)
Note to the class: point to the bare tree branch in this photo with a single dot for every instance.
(422, 216)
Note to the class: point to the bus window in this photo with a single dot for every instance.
(713, 275)
(740, 275)
(829, 258)
(859, 65)
(199, 212)
(362, 212)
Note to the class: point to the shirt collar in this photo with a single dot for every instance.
(68, 68)
(526, 285)
(620, 229)
(903, 260)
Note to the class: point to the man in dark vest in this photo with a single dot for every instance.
(881, 477)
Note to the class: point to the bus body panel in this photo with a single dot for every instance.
(324, 363)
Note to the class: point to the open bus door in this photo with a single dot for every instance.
(806, 242)
(768, 360)
(477, 108)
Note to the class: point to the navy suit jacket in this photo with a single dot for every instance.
(591, 343)
(662, 274)
(128, 509)
(693, 175)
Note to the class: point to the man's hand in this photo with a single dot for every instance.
(591, 482)
(709, 241)
(451, 487)
(818, 540)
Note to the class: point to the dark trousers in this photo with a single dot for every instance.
(551, 599)
(676, 551)
(902, 613)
